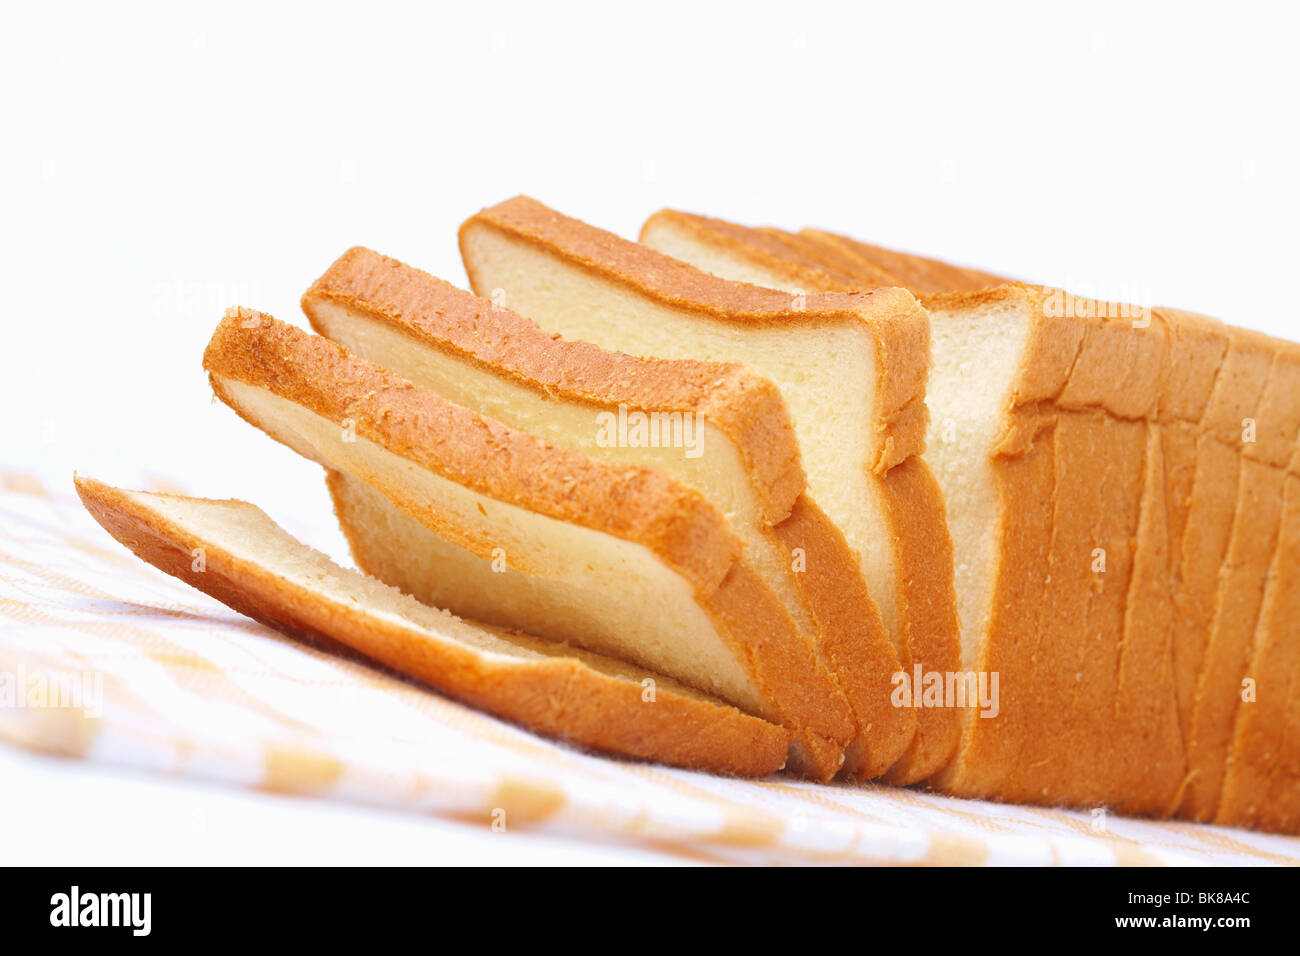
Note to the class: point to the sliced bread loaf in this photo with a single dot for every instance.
(717, 428)
(252, 565)
(851, 369)
(620, 559)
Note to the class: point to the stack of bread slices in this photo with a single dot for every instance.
(741, 500)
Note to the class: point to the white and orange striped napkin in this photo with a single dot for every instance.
(103, 658)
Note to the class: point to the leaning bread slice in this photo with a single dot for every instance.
(717, 428)
(851, 369)
(617, 558)
(254, 566)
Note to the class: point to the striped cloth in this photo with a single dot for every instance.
(103, 658)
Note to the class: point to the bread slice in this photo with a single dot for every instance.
(617, 558)
(726, 434)
(1042, 446)
(851, 369)
(252, 565)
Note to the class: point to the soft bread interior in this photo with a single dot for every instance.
(575, 579)
(711, 463)
(976, 354)
(827, 375)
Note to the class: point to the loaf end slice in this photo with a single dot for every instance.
(253, 566)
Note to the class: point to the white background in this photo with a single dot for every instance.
(158, 164)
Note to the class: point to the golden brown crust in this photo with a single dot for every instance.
(1197, 345)
(747, 408)
(786, 671)
(1025, 479)
(1212, 504)
(1101, 642)
(628, 502)
(1261, 784)
(1147, 755)
(853, 639)
(558, 696)
(1227, 651)
(1268, 440)
(923, 554)
(1045, 768)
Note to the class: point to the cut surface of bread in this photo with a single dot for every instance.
(620, 559)
(725, 433)
(851, 369)
(255, 567)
